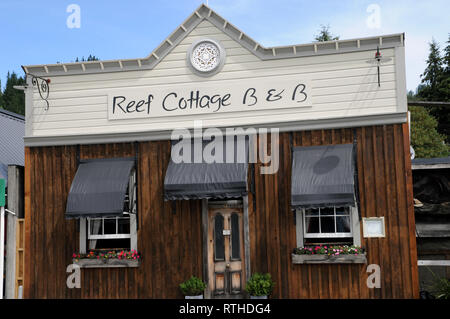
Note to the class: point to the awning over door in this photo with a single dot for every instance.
(203, 178)
(323, 176)
(99, 188)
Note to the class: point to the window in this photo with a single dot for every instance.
(112, 232)
(332, 225)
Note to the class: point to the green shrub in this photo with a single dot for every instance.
(194, 286)
(440, 287)
(425, 139)
(260, 285)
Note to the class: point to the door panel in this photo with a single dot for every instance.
(219, 242)
(226, 266)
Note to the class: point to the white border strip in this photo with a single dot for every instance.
(433, 262)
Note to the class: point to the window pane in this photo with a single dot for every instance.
(312, 212)
(343, 224)
(327, 224)
(342, 211)
(126, 203)
(219, 244)
(112, 243)
(327, 211)
(96, 226)
(312, 224)
(235, 235)
(124, 226)
(110, 226)
(328, 241)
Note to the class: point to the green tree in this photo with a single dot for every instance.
(446, 58)
(432, 74)
(435, 86)
(14, 100)
(11, 99)
(425, 139)
(1, 95)
(89, 58)
(325, 34)
(444, 80)
(411, 96)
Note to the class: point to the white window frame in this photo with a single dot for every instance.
(354, 228)
(108, 236)
(85, 229)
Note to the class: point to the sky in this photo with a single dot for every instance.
(36, 32)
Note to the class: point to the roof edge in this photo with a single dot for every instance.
(12, 114)
(203, 12)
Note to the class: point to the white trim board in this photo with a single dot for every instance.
(433, 262)
(348, 122)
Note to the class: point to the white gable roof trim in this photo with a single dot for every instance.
(206, 13)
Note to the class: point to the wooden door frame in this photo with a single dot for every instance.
(205, 229)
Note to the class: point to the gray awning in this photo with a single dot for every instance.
(219, 179)
(323, 176)
(99, 188)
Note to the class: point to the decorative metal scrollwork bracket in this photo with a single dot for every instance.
(42, 86)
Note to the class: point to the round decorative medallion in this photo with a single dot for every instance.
(206, 57)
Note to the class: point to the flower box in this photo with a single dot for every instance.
(329, 254)
(106, 263)
(194, 297)
(329, 259)
(109, 259)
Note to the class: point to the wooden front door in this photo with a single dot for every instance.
(226, 262)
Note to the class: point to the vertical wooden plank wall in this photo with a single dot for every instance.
(170, 234)
(169, 237)
(384, 177)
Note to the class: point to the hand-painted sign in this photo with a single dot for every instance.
(212, 97)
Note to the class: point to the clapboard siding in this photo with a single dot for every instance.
(170, 233)
(343, 85)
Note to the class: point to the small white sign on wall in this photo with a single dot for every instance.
(210, 97)
(373, 227)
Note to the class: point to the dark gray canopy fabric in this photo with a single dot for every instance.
(99, 188)
(323, 176)
(207, 179)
